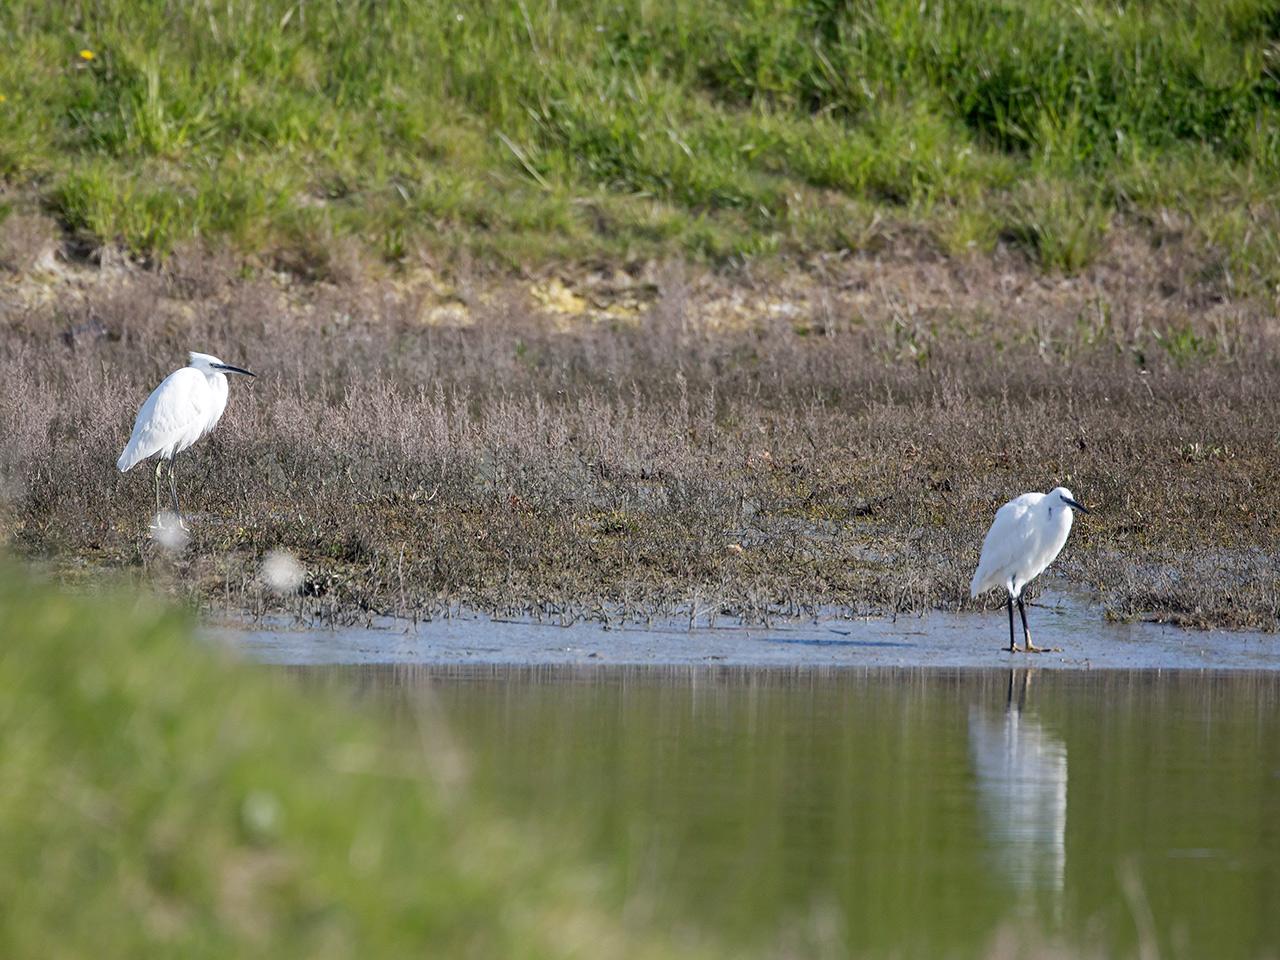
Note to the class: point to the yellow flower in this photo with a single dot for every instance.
(86, 54)
(2, 98)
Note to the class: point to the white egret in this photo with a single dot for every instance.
(1028, 534)
(187, 405)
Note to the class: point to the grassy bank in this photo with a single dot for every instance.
(161, 800)
(327, 137)
(636, 444)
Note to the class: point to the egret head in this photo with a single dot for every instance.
(210, 364)
(1064, 495)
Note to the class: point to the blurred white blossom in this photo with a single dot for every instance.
(282, 572)
(168, 530)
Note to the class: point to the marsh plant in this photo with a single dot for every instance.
(841, 446)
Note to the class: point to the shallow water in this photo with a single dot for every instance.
(1081, 637)
(879, 788)
(888, 812)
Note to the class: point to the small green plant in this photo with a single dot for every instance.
(1062, 231)
(618, 523)
(1198, 452)
(1184, 344)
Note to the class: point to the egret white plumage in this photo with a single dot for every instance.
(1027, 535)
(187, 405)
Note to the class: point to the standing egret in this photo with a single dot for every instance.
(1028, 534)
(187, 405)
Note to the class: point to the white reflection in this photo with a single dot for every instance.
(1022, 789)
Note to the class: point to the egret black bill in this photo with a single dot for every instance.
(230, 369)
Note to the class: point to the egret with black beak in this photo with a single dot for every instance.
(1028, 534)
(187, 405)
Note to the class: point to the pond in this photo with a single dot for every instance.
(900, 812)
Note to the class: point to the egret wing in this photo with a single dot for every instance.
(174, 410)
(1011, 538)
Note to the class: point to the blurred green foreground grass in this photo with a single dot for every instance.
(159, 799)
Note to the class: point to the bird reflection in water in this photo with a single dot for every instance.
(1021, 772)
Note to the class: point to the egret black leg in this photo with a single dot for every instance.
(1013, 644)
(1026, 633)
(173, 493)
(159, 467)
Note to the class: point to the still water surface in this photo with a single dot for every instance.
(891, 812)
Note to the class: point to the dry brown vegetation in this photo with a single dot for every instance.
(623, 443)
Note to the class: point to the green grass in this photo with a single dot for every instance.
(720, 130)
(162, 800)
